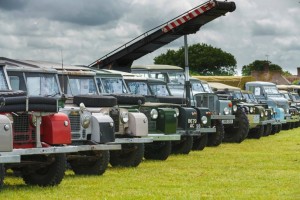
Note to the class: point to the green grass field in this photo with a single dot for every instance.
(268, 168)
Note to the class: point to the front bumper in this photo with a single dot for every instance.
(164, 137)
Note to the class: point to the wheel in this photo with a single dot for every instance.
(215, 139)
(296, 124)
(184, 146)
(274, 129)
(239, 132)
(95, 163)
(47, 175)
(286, 126)
(257, 132)
(158, 150)
(279, 128)
(200, 142)
(292, 125)
(2, 173)
(131, 155)
(267, 129)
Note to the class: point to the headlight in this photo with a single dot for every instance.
(266, 113)
(234, 108)
(177, 111)
(204, 119)
(66, 123)
(226, 111)
(124, 117)
(33, 120)
(86, 120)
(262, 113)
(272, 112)
(287, 111)
(251, 110)
(154, 114)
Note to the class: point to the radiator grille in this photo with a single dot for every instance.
(206, 100)
(114, 114)
(23, 133)
(75, 122)
(151, 123)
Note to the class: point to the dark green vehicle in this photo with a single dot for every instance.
(162, 120)
(157, 91)
(267, 117)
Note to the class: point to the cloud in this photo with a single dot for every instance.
(88, 30)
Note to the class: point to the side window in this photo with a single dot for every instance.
(257, 91)
(14, 82)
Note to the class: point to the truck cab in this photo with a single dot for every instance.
(35, 137)
(266, 92)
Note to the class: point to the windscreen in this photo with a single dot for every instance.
(114, 85)
(271, 90)
(197, 86)
(138, 87)
(177, 77)
(207, 88)
(81, 85)
(159, 89)
(3, 81)
(42, 84)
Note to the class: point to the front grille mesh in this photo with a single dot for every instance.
(75, 122)
(22, 131)
(206, 100)
(114, 114)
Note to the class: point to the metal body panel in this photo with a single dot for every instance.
(6, 134)
(163, 137)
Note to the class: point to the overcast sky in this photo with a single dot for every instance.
(87, 30)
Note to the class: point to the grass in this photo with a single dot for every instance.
(268, 168)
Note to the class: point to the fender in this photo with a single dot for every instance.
(56, 129)
(137, 124)
(6, 134)
(102, 128)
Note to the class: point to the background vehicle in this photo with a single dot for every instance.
(162, 120)
(158, 91)
(266, 92)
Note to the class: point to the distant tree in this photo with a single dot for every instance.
(203, 59)
(260, 65)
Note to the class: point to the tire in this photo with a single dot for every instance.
(239, 132)
(267, 130)
(171, 99)
(49, 175)
(128, 99)
(200, 142)
(296, 124)
(131, 155)
(279, 128)
(2, 173)
(286, 126)
(95, 100)
(184, 146)
(215, 139)
(158, 150)
(95, 166)
(257, 132)
(274, 129)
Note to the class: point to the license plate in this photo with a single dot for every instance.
(227, 121)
